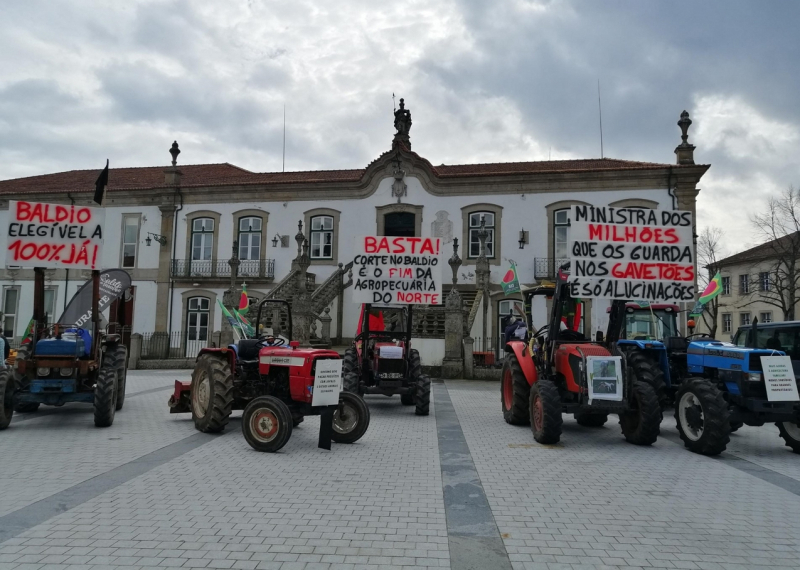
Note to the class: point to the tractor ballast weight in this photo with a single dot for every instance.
(383, 362)
(546, 377)
(273, 383)
(53, 367)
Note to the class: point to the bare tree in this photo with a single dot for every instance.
(709, 252)
(779, 227)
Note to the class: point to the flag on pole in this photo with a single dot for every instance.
(510, 282)
(713, 289)
(100, 185)
(247, 329)
(244, 304)
(231, 320)
(26, 336)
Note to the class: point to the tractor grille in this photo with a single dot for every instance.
(391, 368)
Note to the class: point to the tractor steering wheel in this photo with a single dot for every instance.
(276, 341)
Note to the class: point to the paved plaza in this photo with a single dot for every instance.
(457, 489)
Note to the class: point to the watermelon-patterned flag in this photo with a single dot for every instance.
(244, 305)
(510, 282)
(231, 320)
(714, 288)
(26, 336)
(246, 327)
(643, 304)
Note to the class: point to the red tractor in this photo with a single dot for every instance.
(560, 371)
(381, 360)
(273, 383)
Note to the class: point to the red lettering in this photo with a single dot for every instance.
(61, 213)
(630, 233)
(671, 236)
(71, 255)
(84, 215)
(398, 245)
(54, 255)
(370, 244)
(23, 211)
(595, 232)
(94, 257)
(414, 241)
(83, 255)
(28, 251)
(427, 246)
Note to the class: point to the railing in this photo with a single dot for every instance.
(547, 267)
(194, 269)
(174, 345)
(488, 354)
(428, 322)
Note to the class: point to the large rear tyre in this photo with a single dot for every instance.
(350, 419)
(702, 416)
(790, 432)
(117, 358)
(646, 370)
(350, 361)
(7, 387)
(642, 424)
(515, 393)
(423, 396)
(591, 419)
(105, 396)
(267, 424)
(545, 412)
(212, 393)
(351, 382)
(26, 407)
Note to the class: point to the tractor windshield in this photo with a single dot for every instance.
(644, 324)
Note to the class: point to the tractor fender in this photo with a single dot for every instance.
(525, 361)
(229, 353)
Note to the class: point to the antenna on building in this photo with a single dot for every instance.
(600, 109)
(284, 139)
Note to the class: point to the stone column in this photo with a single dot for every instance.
(164, 263)
(453, 363)
(326, 319)
(302, 317)
(135, 352)
(482, 277)
(468, 361)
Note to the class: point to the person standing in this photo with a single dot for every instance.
(6, 348)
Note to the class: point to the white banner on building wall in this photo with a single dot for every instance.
(405, 270)
(54, 235)
(631, 254)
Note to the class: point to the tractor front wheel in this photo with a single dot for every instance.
(514, 393)
(591, 419)
(350, 419)
(105, 396)
(545, 412)
(790, 432)
(702, 416)
(212, 393)
(7, 394)
(267, 424)
(26, 407)
(642, 424)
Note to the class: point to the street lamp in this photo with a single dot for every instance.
(159, 238)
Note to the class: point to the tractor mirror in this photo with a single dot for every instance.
(294, 343)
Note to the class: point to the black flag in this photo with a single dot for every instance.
(100, 185)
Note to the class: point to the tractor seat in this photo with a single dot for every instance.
(249, 348)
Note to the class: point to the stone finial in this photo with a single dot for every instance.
(299, 238)
(174, 151)
(402, 125)
(455, 262)
(685, 151)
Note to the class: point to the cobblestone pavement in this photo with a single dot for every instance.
(151, 492)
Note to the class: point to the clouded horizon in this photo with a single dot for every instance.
(500, 81)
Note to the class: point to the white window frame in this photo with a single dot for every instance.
(765, 317)
(726, 284)
(253, 237)
(135, 243)
(51, 316)
(474, 221)
(321, 236)
(564, 224)
(14, 315)
(727, 322)
(744, 284)
(763, 281)
(200, 311)
(744, 319)
(206, 233)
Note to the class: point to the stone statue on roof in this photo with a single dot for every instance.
(402, 119)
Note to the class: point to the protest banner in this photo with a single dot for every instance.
(113, 284)
(327, 383)
(605, 378)
(405, 270)
(54, 235)
(621, 253)
(779, 379)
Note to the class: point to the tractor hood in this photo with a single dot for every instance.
(710, 353)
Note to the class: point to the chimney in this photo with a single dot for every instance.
(685, 151)
(172, 176)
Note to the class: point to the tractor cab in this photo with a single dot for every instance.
(650, 322)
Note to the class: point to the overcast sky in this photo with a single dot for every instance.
(485, 80)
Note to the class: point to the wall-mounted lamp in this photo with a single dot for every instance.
(523, 238)
(279, 239)
(160, 239)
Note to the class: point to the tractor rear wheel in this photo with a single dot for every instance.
(790, 432)
(646, 370)
(26, 407)
(7, 386)
(545, 412)
(117, 358)
(591, 419)
(351, 382)
(350, 419)
(105, 396)
(350, 361)
(702, 416)
(642, 424)
(212, 393)
(423, 396)
(267, 424)
(515, 392)
(407, 399)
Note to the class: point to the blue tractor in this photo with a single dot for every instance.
(724, 389)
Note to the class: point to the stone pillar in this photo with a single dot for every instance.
(453, 363)
(326, 319)
(135, 351)
(482, 277)
(164, 263)
(469, 374)
(302, 316)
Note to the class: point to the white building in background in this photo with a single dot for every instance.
(173, 228)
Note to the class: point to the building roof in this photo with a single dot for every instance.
(198, 175)
(767, 250)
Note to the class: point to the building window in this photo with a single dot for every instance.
(744, 284)
(50, 305)
(202, 239)
(250, 238)
(763, 281)
(475, 228)
(130, 240)
(765, 317)
(322, 237)
(560, 234)
(744, 319)
(10, 305)
(727, 322)
(726, 285)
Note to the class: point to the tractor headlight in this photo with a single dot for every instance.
(66, 371)
(754, 376)
(42, 371)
